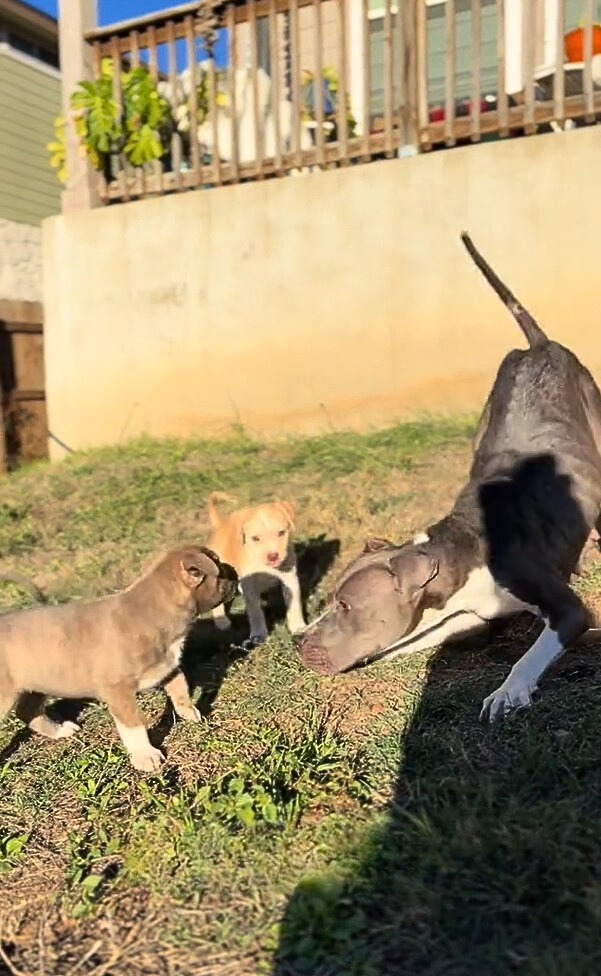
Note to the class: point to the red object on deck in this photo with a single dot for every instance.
(574, 43)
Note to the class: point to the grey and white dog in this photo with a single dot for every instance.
(511, 541)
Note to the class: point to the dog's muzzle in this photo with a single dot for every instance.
(312, 654)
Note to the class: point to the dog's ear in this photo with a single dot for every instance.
(414, 569)
(373, 545)
(289, 510)
(195, 566)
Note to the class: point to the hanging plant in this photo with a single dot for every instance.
(58, 149)
(140, 129)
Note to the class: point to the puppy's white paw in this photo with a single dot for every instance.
(514, 693)
(296, 626)
(66, 729)
(189, 713)
(147, 761)
(223, 623)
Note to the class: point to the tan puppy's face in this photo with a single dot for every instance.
(211, 581)
(266, 533)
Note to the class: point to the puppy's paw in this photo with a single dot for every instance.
(249, 644)
(223, 623)
(297, 626)
(66, 729)
(147, 761)
(514, 693)
(189, 713)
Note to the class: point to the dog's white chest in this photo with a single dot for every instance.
(482, 595)
(166, 666)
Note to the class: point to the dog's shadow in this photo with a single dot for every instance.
(484, 861)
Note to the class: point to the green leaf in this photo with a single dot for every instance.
(270, 812)
(91, 882)
(245, 815)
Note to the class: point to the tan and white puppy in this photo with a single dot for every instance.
(112, 647)
(256, 541)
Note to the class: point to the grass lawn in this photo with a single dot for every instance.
(362, 825)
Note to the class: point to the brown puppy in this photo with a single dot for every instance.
(112, 647)
(256, 542)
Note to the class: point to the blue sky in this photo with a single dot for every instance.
(110, 11)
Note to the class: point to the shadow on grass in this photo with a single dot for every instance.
(488, 859)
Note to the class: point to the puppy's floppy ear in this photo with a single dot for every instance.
(373, 545)
(289, 510)
(195, 566)
(414, 569)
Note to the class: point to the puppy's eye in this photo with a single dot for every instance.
(282, 532)
(343, 605)
(255, 538)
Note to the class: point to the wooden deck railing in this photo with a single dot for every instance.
(263, 114)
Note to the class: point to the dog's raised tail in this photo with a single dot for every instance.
(214, 516)
(529, 326)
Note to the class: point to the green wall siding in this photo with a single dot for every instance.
(29, 102)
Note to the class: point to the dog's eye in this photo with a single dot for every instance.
(282, 532)
(343, 605)
(255, 538)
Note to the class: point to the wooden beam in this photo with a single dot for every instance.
(75, 18)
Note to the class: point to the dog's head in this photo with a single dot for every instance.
(266, 533)
(376, 602)
(209, 580)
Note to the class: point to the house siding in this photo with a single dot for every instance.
(30, 99)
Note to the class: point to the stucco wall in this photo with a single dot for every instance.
(20, 262)
(338, 299)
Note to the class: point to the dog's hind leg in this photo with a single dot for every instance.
(179, 693)
(30, 709)
(566, 619)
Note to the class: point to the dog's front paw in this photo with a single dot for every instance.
(147, 761)
(514, 693)
(189, 713)
(296, 625)
(259, 638)
(66, 729)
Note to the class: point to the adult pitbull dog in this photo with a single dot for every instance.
(511, 541)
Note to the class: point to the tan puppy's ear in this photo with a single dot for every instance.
(195, 567)
(289, 510)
